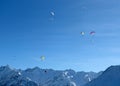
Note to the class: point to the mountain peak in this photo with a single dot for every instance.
(7, 67)
(112, 69)
(110, 77)
(117, 67)
(36, 68)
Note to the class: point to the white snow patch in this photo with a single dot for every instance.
(71, 76)
(86, 75)
(89, 79)
(28, 78)
(73, 83)
(66, 73)
(19, 73)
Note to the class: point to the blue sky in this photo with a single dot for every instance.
(28, 31)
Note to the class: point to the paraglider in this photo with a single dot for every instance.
(92, 32)
(52, 13)
(82, 33)
(42, 58)
(52, 16)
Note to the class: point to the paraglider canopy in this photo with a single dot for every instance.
(52, 13)
(92, 32)
(82, 33)
(42, 58)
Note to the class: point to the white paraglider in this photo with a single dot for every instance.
(42, 58)
(82, 33)
(52, 13)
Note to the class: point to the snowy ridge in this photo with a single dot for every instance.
(110, 77)
(12, 77)
(49, 77)
(43, 77)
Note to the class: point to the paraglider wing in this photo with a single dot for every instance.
(42, 58)
(82, 33)
(92, 32)
(52, 13)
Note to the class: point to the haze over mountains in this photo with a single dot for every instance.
(49, 77)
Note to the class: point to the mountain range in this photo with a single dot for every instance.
(48, 77)
(44, 77)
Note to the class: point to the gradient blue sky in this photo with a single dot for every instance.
(27, 31)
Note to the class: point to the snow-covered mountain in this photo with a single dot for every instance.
(49, 77)
(110, 77)
(13, 77)
(44, 77)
